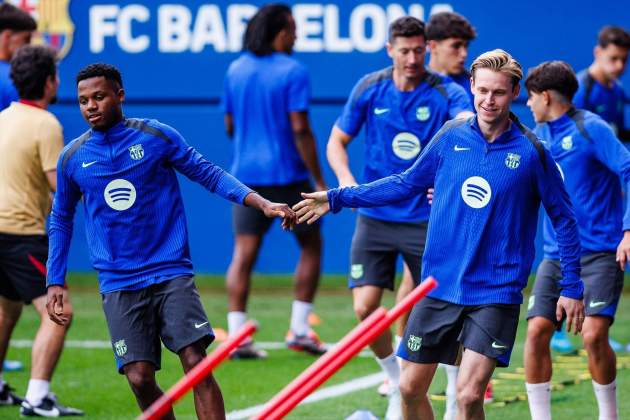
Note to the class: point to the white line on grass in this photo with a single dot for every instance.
(102, 344)
(323, 394)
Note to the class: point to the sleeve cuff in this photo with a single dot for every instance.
(55, 283)
(574, 290)
(335, 205)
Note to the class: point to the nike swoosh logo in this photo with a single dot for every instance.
(379, 111)
(200, 325)
(460, 149)
(85, 165)
(53, 412)
(596, 304)
(498, 346)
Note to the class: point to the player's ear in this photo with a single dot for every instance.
(516, 90)
(390, 49)
(121, 95)
(431, 45)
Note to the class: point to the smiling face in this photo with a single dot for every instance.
(407, 54)
(100, 101)
(494, 94)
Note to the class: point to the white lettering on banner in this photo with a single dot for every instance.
(237, 17)
(307, 27)
(124, 34)
(101, 25)
(173, 28)
(179, 29)
(208, 30)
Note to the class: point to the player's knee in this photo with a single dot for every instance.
(408, 389)
(595, 340)
(364, 309)
(539, 331)
(140, 378)
(469, 396)
(191, 358)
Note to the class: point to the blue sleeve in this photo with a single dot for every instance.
(558, 206)
(458, 100)
(60, 225)
(195, 167)
(298, 90)
(394, 188)
(355, 110)
(614, 155)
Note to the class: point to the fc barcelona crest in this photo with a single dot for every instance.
(136, 152)
(54, 26)
(512, 160)
(423, 113)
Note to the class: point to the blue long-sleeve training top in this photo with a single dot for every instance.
(592, 160)
(480, 241)
(134, 214)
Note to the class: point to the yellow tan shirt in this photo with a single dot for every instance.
(31, 140)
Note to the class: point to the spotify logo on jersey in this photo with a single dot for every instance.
(120, 194)
(406, 145)
(476, 192)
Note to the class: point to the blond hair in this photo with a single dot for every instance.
(499, 61)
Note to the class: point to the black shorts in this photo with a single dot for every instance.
(376, 245)
(250, 221)
(603, 283)
(138, 319)
(437, 330)
(23, 266)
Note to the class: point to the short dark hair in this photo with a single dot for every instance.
(31, 66)
(263, 27)
(109, 72)
(449, 25)
(615, 35)
(15, 19)
(406, 26)
(552, 75)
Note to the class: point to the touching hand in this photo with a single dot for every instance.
(314, 206)
(623, 251)
(574, 309)
(430, 193)
(54, 304)
(289, 219)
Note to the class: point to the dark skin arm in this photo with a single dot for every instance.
(306, 146)
(289, 219)
(228, 121)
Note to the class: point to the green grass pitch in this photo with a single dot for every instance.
(86, 378)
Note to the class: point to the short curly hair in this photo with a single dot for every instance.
(449, 25)
(31, 66)
(109, 72)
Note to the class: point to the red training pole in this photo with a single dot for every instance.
(325, 359)
(296, 391)
(197, 374)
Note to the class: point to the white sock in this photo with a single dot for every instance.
(606, 400)
(236, 320)
(299, 317)
(37, 390)
(539, 399)
(390, 366)
(451, 391)
(397, 340)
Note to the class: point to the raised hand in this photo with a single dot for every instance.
(314, 206)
